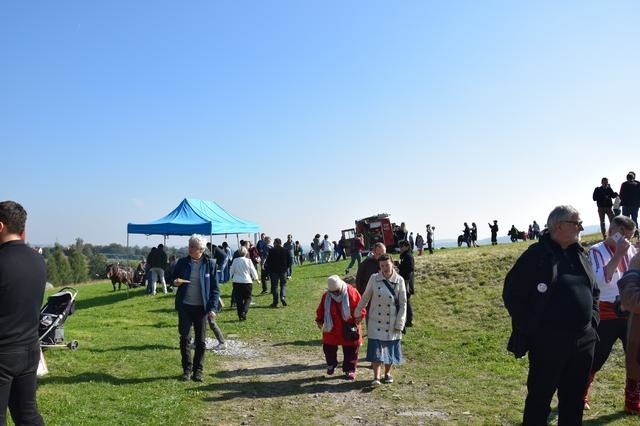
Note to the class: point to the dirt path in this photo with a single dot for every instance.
(266, 383)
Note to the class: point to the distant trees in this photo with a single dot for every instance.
(82, 262)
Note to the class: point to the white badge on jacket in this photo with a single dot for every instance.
(542, 288)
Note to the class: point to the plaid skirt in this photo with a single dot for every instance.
(385, 351)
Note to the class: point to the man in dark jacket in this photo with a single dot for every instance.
(197, 299)
(276, 265)
(603, 195)
(369, 266)
(630, 197)
(406, 271)
(552, 297)
(23, 276)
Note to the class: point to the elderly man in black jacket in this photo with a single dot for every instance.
(552, 297)
(277, 265)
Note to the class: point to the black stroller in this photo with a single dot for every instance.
(52, 317)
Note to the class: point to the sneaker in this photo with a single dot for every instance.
(185, 375)
(351, 375)
(375, 382)
(197, 376)
(330, 370)
(346, 271)
(284, 302)
(388, 378)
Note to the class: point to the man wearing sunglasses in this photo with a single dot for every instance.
(552, 297)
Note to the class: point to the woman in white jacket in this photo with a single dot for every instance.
(243, 273)
(385, 319)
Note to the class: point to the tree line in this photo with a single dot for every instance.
(82, 262)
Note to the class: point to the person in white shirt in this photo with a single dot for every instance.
(243, 274)
(609, 260)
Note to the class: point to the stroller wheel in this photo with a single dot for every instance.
(73, 345)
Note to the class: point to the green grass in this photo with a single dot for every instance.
(125, 370)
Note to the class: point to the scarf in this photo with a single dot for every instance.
(342, 298)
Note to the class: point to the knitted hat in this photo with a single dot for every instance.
(334, 283)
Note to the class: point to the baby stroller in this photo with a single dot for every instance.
(52, 317)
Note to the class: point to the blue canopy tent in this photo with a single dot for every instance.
(193, 216)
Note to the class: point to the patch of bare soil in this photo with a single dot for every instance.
(265, 383)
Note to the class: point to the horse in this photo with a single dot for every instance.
(517, 235)
(462, 239)
(119, 275)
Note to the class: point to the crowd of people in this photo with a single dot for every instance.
(568, 305)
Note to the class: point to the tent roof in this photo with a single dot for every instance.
(193, 216)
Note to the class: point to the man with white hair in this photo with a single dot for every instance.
(552, 297)
(197, 299)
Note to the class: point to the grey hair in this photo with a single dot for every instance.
(624, 221)
(198, 240)
(380, 245)
(559, 214)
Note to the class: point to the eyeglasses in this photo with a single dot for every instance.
(575, 222)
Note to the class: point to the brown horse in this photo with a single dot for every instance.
(119, 275)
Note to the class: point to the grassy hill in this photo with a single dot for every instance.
(457, 369)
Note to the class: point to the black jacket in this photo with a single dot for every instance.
(630, 193)
(277, 261)
(23, 275)
(524, 295)
(602, 196)
(406, 270)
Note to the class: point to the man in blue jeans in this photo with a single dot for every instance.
(630, 197)
(23, 275)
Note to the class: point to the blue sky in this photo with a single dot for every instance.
(303, 116)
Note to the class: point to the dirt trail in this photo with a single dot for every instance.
(261, 380)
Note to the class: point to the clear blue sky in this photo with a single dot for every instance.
(304, 115)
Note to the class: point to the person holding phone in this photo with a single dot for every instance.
(603, 195)
(609, 261)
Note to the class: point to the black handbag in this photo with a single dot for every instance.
(350, 331)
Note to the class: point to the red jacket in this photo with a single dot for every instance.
(334, 337)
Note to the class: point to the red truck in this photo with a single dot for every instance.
(378, 228)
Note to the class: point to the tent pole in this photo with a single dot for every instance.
(238, 240)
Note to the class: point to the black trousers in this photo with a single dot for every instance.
(242, 292)
(18, 368)
(608, 332)
(275, 278)
(559, 362)
(188, 316)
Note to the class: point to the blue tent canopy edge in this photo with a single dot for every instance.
(194, 216)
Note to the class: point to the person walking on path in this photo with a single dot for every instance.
(335, 313)
(385, 320)
(23, 275)
(197, 299)
(603, 196)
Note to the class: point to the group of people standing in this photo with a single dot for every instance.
(611, 203)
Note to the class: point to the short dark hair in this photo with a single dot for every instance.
(383, 257)
(13, 215)
(277, 242)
